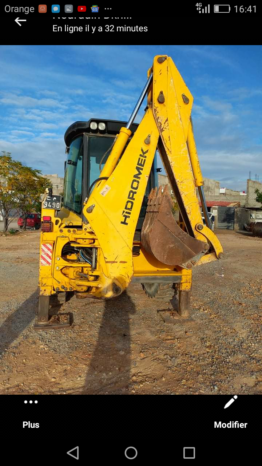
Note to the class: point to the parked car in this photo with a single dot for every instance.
(32, 221)
(255, 228)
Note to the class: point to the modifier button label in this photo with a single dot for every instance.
(230, 425)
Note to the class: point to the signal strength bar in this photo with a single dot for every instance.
(204, 10)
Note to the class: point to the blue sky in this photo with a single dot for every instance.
(43, 89)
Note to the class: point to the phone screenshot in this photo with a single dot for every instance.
(130, 234)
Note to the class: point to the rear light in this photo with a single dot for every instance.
(47, 225)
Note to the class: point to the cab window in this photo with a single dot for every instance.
(73, 177)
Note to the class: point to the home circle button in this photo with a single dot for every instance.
(131, 453)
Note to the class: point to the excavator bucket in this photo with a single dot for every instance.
(163, 238)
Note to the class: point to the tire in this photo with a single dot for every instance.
(159, 291)
(150, 289)
(58, 299)
(61, 298)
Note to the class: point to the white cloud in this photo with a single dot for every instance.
(218, 55)
(47, 135)
(42, 126)
(26, 101)
(47, 155)
(18, 132)
(49, 93)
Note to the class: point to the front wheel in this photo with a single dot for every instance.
(166, 292)
(159, 291)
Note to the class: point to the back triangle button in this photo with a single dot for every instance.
(74, 453)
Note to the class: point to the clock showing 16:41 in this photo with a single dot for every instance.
(245, 9)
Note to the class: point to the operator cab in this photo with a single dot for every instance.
(88, 145)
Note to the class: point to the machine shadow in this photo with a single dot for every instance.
(110, 366)
(243, 232)
(16, 323)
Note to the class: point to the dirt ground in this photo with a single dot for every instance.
(126, 346)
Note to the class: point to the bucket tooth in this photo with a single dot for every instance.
(162, 237)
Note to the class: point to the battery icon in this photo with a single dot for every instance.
(222, 8)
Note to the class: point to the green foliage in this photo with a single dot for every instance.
(12, 231)
(20, 188)
(8, 170)
(259, 195)
(38, 206)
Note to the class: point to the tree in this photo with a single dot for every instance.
(8, 170)
(28, 187)
(259, 196)
(21, 188)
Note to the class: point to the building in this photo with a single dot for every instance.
(252, 186)
(231, 209)
(57, 183)
(215, 193)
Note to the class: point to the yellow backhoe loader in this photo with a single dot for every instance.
(116, 225)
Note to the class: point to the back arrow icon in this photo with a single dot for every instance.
(74, 453)
(17, 20)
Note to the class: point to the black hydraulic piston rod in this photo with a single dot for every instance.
(139, 102)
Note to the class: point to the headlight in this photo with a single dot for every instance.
(93, 125)
(101, 126)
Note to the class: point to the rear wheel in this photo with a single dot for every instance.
(61, 298)
(159, 291)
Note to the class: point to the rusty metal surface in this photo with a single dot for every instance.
(256, 228)
(55, 322)
(163, 238)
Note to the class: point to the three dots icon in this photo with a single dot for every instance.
(30, 402)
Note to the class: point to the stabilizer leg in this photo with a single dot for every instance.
(46, 319)
(184, 304)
